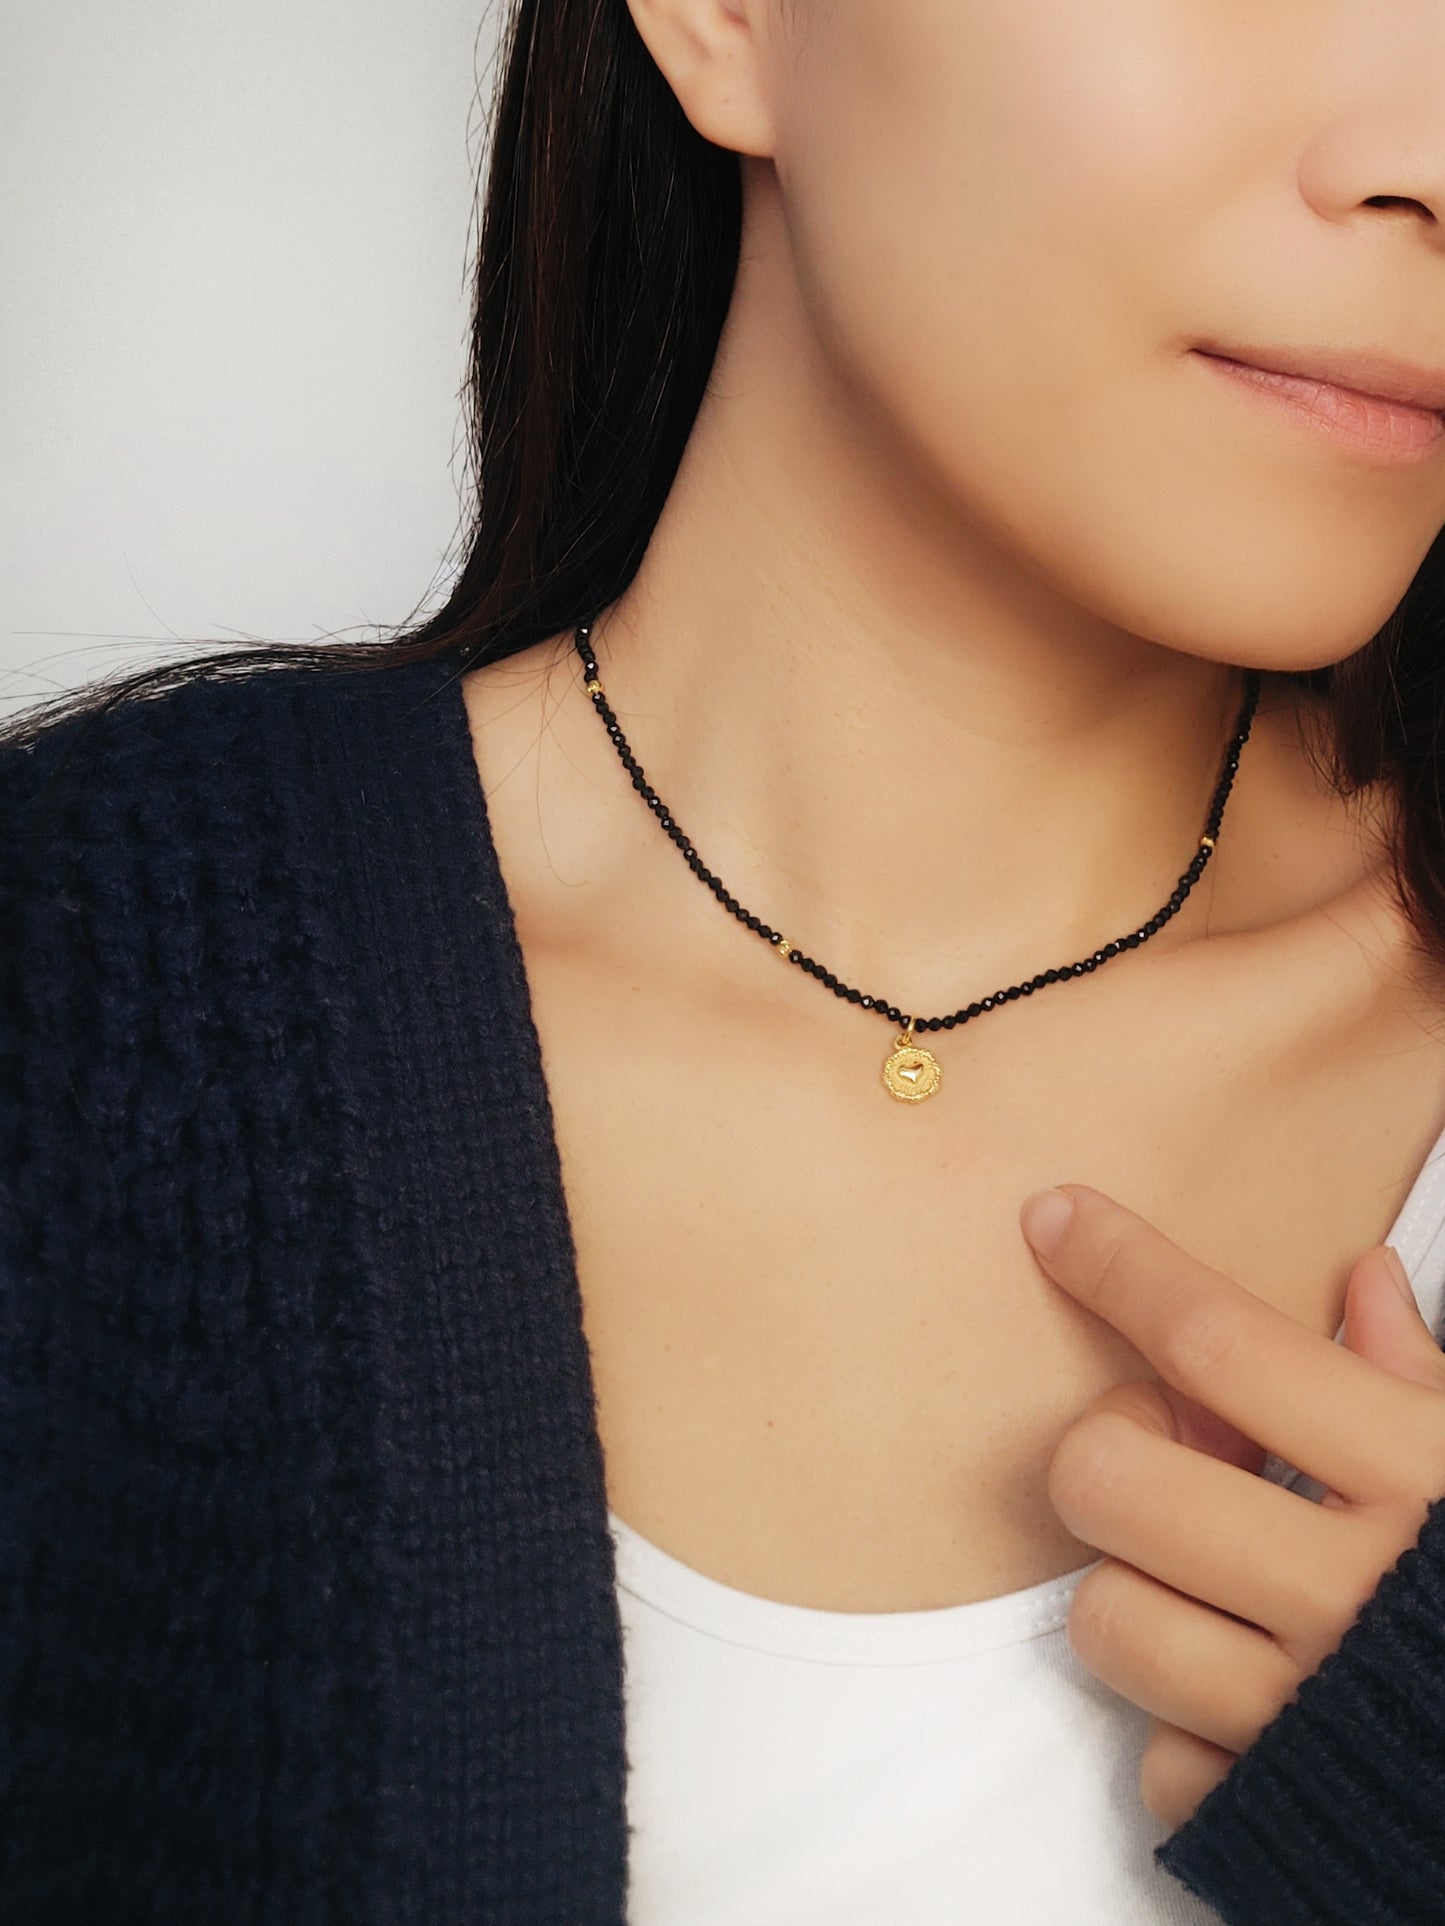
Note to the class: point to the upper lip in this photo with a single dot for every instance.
(1377, 375)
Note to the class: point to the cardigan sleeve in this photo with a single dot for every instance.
(1335, 1816)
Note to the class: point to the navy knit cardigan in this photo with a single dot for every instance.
(306, 1585)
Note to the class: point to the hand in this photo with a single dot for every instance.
(1220, 1591)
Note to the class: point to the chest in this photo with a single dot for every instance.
(827, 1368)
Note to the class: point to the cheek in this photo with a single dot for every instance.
(968, 184)
(1009, 220)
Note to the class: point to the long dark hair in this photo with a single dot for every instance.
(607, 249)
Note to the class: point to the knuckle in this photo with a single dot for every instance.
(1200, 1340)
(1085, 1465)
(1093, 1612)
(1141, 1400)
(1111, 1259)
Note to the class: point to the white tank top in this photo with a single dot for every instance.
(792, 1767)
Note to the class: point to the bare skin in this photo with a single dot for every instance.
(827, 1369)
(933, 655)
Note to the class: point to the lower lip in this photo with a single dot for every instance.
(1385, 431)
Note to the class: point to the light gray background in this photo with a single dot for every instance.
(233, 253)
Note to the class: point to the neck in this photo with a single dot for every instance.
(919, 815)
(884, 726)
(890, 739)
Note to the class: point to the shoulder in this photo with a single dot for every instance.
(199, 761)
(179, 885)
(130, 755)
(186, 972)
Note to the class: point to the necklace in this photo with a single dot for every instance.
(912, 1073)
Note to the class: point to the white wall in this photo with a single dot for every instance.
(233, 250)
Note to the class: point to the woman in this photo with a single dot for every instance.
(879, 465)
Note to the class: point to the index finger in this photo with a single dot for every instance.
(1311, 1401)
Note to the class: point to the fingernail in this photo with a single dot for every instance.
(1402, 1276)
(1045, 1217)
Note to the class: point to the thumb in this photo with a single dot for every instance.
(1383, 1321)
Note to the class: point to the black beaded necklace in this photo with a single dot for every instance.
(912, 1073)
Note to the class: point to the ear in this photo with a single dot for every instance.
(713, 54)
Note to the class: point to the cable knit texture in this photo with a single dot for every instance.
(306, 1589)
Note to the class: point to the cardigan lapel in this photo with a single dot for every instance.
(506, 1763)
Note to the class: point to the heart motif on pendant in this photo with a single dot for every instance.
(911, 1074)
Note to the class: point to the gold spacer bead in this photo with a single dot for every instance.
(784, 947)
(1206, 842)
(594, 688)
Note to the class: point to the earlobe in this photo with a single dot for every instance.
(710, 54)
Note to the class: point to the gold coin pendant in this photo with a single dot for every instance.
(911, 1073)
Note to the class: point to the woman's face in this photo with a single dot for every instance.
(1011, 222)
